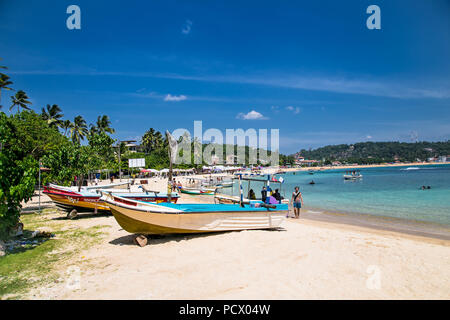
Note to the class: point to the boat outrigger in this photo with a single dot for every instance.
(74, 200)
(168, 218)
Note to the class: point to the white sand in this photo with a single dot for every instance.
(305, 260)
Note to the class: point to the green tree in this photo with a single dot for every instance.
(65, 163)
(18, 172)
(153, 140)
(20, 99)
(52, 115)
(102, 150)
(66, 125)
(36, 137)
(78, 130)
(103, 125)
(4, 83)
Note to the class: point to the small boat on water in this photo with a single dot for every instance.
(168, 218)
(73, 201)
(352, 175)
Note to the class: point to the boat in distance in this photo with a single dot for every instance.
(352, 175)
(169, 218)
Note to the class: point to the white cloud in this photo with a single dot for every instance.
(295, 110)
(170, 97)
(186, 27)
(368, 137)
(252, 115)
(398, 88)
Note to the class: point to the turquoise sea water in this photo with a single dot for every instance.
(389, 191)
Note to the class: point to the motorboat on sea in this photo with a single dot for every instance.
(141, 217)
(87, 199)
(352, 175)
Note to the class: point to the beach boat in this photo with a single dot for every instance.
(197, 191)
(74, 201)
(200, 187)
(352, 175)
(169, 218)
(118, 186)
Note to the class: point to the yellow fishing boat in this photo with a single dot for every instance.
(169, 218)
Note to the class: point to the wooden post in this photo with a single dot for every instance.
(169, 182)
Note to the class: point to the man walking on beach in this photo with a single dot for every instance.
(297, 202)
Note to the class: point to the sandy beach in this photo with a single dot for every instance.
(306, 259)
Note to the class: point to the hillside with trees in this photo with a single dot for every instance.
(378, 152)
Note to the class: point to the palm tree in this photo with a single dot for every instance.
(78, 130)
(148, 140)
(66, 125)
(92, 129)
(104, 124)
(158, 140)
(20, 99)
(4, 83)
(52, 115)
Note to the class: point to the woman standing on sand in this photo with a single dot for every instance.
(297, 201)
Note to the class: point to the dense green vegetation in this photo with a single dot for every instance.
(378, 152)
(17, 171)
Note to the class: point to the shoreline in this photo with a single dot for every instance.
(363, 166)
(425, 230)
(405, 227)
(430, 231)
(417, 228)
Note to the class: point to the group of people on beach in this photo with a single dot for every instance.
(174, 185)
(267, 194)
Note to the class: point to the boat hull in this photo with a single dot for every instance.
(145, 222)
(79, 203)
(197, 191)
(68, 200)
(351, 177)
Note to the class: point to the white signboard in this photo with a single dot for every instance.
(136, 163)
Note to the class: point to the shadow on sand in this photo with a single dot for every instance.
(83, 215)
(160, 239)
(35, 209)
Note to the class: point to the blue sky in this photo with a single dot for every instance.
(310, 68)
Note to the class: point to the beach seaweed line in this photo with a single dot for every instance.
(30, 267)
